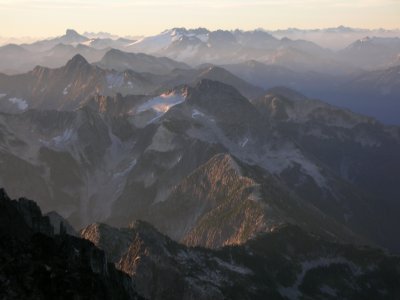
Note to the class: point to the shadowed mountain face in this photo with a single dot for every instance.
(36, 264)
(373, 93)
(372, 52)
(208, 167)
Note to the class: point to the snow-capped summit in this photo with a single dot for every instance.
(198, 46)
(156, 43)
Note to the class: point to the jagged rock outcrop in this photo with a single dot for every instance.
(31, 215)
(60, 224)
(35, 264)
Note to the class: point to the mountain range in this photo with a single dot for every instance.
(147, 152)
(263, 59)
(335, 38)
(198, 164)
(69, 86)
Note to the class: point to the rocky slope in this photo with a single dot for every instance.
(139, 261)
(227, 202)
(284, 264)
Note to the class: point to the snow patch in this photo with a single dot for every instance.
(196, 113)
(162, 103)
(293, 291)
(244, 142)
(276, 161)
(163, 40)
(21, 103)
(155, 43)
(126, 170)
(203, 37)
(66, 89)
(234, 268)
(64, 138)
(154, 119)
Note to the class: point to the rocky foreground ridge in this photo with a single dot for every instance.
(37, 264)
(286, 263)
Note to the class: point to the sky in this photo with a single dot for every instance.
(42, 18)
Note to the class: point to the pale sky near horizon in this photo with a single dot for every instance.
(39, 18)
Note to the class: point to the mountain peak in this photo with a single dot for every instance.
(115, 53)
(71, 36)
(221, 100)
(207, 85)
(286, 92)
(71, 33)
(77, 60)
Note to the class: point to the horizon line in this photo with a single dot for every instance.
(82, 32)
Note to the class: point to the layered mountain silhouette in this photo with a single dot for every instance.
(222, 47)
(70, 86)
(373, 93)
(264, 59)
